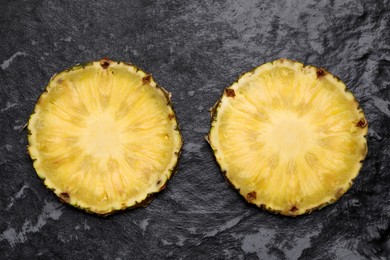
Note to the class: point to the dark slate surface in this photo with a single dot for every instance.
(194, 49)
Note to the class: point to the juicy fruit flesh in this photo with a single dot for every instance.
(290, 138)
(104, 137)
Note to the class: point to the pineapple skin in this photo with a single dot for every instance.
(63, 196)
(321, 72)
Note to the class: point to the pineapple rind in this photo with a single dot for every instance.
(144, 196)
(286, 209)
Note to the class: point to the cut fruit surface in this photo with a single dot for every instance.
(104, 136)
(291, 138)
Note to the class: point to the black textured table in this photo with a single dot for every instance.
(194, 49)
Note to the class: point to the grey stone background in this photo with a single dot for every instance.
(194, 49)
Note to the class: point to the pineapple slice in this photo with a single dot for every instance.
(291, 138)
(104, 136)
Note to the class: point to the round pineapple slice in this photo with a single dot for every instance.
(291, 138)
(104, 136)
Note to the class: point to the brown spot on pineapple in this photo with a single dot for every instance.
(339, 192)
(59, 81)
(158, 182)
(41, 98)
(320, 73)
(64, 197)
(105, 62)
(163, 187)
(362, 123)
(251, 196)
(146, 79)
(171, 116)
(293, 209)
(230, 92)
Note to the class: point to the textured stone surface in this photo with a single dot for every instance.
(194, 49)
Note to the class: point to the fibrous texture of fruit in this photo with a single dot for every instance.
(289, 137)
(104, 136)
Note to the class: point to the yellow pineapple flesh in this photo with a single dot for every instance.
(104, 136)
(289, 137)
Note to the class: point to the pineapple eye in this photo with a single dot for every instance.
(97, 140)
(289, 137)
